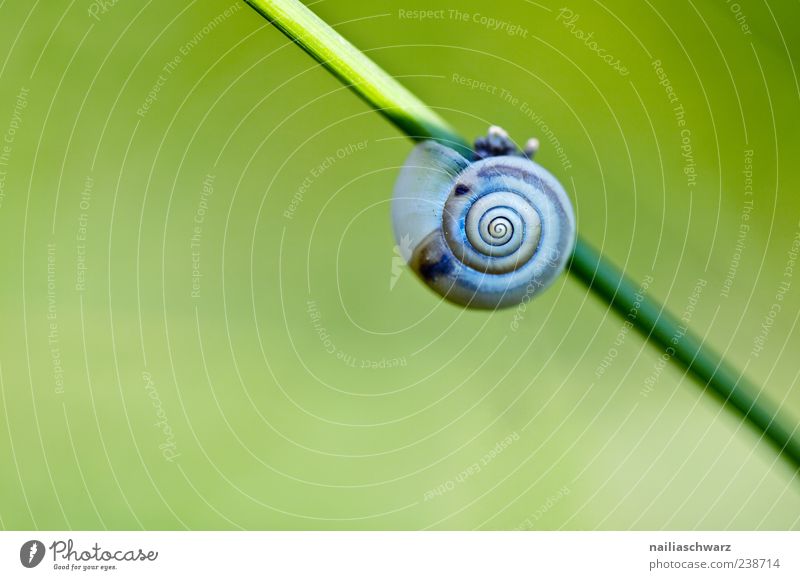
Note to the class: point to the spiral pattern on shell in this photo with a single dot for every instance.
(485, 234)
(496, 233)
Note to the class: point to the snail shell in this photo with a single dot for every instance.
(485, 234)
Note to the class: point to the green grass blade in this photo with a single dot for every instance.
(418, 121)
(685, 348)
(359, 72)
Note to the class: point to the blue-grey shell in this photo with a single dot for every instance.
(492, 253)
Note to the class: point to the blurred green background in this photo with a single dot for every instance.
(205, 324)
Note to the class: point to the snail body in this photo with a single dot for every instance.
(487, 233)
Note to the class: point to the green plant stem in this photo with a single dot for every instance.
(359, 72)
(681, 345)
(419, 122)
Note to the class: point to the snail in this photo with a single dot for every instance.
(487, 233)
